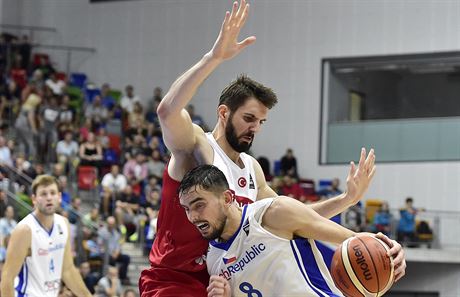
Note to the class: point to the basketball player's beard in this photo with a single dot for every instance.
(233, 140)
(217, 232)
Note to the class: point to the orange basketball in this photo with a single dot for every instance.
(361, 267)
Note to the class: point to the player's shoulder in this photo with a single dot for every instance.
(21, 230)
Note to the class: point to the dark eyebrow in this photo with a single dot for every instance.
(197, 199)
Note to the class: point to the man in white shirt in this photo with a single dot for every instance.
(113, 184)
(67, 149)
(127, 102)
(5, 153)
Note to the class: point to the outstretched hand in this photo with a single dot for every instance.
(359, 178)
(227, 45)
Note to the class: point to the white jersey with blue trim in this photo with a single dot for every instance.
(258, 263)
(41, 273)
(242, 181)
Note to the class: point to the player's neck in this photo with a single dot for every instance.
(232, 224)
(46, 221)
(219, 136)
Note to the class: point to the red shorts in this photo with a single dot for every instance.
(165, 282)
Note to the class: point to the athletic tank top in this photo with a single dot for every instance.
(242, 181)
(178, 244)
(258, 263)
(40, 275)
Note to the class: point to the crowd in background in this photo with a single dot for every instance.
(50, 123)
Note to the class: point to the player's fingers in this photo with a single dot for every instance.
(362, 159)
(244, 16)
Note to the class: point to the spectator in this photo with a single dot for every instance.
(111, 235)
(127, 102)
(67, 151)
(85, 130)
(10, 99)
(91, 152)
(107, 100)
(291, 187)
(91, 221)
(110, 285)
(382, 220)
(66, 115)
(26, 124)
(331, 191)
(5, 153)
(406, 226)
(74, 210)
(137, 117)
(129, 293)
(113, 185)
(97, 112)
(155, 165)
(196, 119)
(126, 208)
(7, 224)
(66, 199)
(135, 170)
(56, 85)
(89, 278)
(352, 218)
(48, 135)
(152, 116)
(289, 164)
(103, 138)
(3, 202)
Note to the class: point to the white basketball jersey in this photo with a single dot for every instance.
(242, 181)
(260, 264)
(40, 275)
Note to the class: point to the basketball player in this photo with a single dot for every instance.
(266, 248)
(177, 257)
(38, 253)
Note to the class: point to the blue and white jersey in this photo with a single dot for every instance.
(258, 263)
(40, 275)
(242, 181)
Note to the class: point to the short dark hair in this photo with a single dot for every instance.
(409, 199)
(207, 177)
(240, 90)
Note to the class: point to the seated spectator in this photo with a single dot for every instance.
(66, 198)
(289, 164)
(291, 187)
(67, 151)
(5, 153)
(74, 210)
(406, 226)
(10, 101)
(56, 85)
(102, 138)
(91, 152)
(129, 293)
(67, 116)
(110, 285)
(126, 207)
(45, 67)
(352, 218)
(112, 237)
(127, 102)
(89, 278)
(196, 119)
(152, 116)
(97, 112)
(137, 117)
(135, 170)
(7, 224)
(85, 130)
(91, 221)
(331, 191)
(382, 220)
(155, 165)
(113, 185)
(153, 184)
(107, 100)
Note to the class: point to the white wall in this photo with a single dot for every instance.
(150, 43)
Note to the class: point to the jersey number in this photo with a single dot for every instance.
(249, 289)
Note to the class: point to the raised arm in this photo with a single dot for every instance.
(358, 181)
(178, 132)
(287, 218)
(18, 249)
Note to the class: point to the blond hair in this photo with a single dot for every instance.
(43, 180)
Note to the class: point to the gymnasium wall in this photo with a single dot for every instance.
(150, 43)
